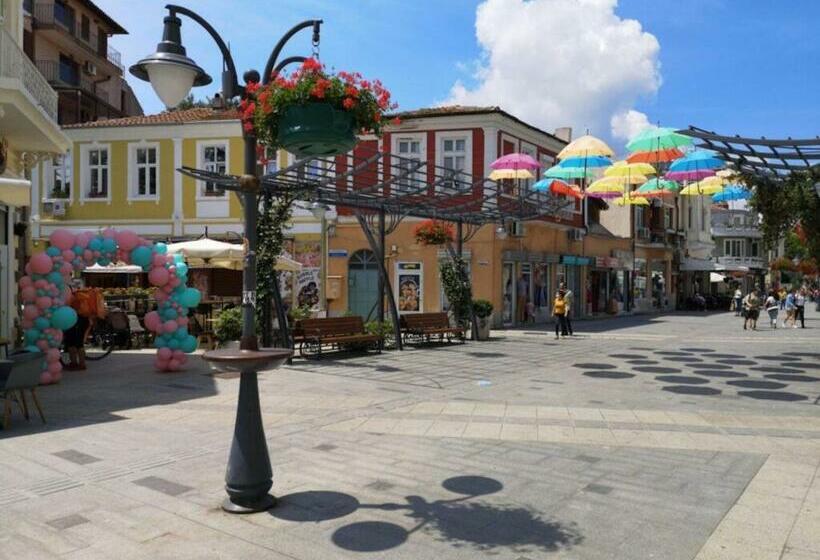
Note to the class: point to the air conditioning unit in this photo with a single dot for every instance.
(58, 208)
(90, 68)
(575, 234)
(517, 229)
(48, 207)
(643, 233)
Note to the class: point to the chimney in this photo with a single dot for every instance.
(564, 133)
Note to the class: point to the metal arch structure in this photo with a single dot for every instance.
(761, 155)
(382, 189)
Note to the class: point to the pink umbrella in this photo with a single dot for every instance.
(693, 175)
(515, 161)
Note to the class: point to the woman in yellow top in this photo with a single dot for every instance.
(559, 309)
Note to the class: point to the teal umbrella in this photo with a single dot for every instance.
(658, 138)
(558, 172)
(658, 187)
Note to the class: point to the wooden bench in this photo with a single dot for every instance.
(338, 332)
(419, 327)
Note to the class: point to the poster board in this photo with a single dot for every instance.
(409, 287)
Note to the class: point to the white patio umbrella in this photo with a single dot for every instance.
(206, 252)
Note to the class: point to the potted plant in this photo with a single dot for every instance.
(434, 232)
(228, 327)
(482, 310)
(314, 112)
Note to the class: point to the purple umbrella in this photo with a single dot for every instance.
(693, 175)
(515, 161)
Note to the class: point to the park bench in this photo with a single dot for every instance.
(341, 333)
(420, 327)
(18, 374)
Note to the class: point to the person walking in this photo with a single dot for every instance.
(772, 308)
(738, 299)
(559, 310)
(800, 308)
(751, 306)
(567, 316)
(790, 310)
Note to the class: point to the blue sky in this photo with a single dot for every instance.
(749, 67)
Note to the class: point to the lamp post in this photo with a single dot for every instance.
(319, 212)
(172, 74)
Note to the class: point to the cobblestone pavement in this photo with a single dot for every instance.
(670, 437)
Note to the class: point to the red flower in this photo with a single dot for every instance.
(351, 91)
(311, 65)
(348, 103)
(396, 121)
(251, 87)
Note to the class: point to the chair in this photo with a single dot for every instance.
(18, 374)
(138, 333)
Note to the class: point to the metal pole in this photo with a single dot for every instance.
(323, 269)
(249, 341)
(382, 256)
(267, 316)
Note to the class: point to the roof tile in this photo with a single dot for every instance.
(196, 114)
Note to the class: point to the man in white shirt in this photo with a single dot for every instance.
(800, 305)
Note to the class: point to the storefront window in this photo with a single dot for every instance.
(507, 297)
(658, 283)
(639, 274)
(541, 287)
(523, 291)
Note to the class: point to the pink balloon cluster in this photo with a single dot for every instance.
(45, 293)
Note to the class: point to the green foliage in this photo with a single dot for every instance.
(385, 329)
(793, 247)
(273, 218)
(457, 288)
(482, 308)
(229, 324)
(299, 313)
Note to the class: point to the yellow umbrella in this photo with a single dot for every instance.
(610, 185)
(631, 200)
(707, 186)
(498, 174)
(586, 146)
(626, 169)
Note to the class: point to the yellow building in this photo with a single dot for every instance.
(28, 131)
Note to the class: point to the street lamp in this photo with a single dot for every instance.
(319, 212)
(172, 75)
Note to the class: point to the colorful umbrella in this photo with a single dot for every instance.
(658, 187)
(657, 138)
(515, 161)
(732, 192)
(558, 172)
(663, 155)
(499, 174)
(591, 161)
(696, 161)
(610, 185)
(631, 200)
(630, 170)
(586, 146)
(558, 187)
(707, 186)
(690, 175)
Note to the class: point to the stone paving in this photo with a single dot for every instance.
(673, 437)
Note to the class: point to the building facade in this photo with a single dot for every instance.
(28, 132)
(739, 249)
(696, 264)
(518, 267)
(68, 42)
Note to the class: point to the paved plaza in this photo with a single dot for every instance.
(670, 437)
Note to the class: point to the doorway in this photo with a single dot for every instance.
(363, 283)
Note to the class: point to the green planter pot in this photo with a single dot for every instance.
(316, 129)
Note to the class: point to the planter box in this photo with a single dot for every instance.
(316, 129)
(483, 330)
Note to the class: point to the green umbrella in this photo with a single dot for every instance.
(659, 187)
(658, 138)
(558, 172)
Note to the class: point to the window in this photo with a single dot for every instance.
(97, 173)
(737, 221)
(640, 217)
(143, 171)
(215, 160)
(59, 181)
(667, 218)
(69, 72)
(454, 158)
(755, 249)
(689, 208)
(409, 152)
(64, 14)
(526, 184)
(85, 28)
(733, 247)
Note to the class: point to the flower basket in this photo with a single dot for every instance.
(316, 129)
(433, 232)
(782, 263)
(313, 112)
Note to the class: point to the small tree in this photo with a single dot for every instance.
(457, 288)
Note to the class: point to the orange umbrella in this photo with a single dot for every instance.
(655, 156)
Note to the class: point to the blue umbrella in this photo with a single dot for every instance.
(588, 161)
(732, 192)
(697, 160)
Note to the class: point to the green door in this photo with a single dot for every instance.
(363, 284)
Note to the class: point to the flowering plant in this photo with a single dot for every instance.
(366, 101)
(781, 263)
(433, 232)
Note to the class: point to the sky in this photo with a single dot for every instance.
(748, 67)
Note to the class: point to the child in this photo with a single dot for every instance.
(772, 307)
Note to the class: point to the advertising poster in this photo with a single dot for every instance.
(308, 253)
(307, 287)
(409, 287)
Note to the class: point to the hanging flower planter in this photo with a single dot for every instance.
(433, 232)
(315, 113)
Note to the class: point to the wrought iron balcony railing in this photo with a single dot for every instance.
(15, 64)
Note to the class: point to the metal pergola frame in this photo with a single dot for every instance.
(382, 189)
(760, 155)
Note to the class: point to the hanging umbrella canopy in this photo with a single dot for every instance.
(558, 172)
(515, 161)
(732, 192)
(697, 160)
(707, 186)
(558, 187)
(655, 156)
(629, 170)
(586, 146)
(695, 175)
(499, 174)
(608, 185)
(658, 138)
(631, 200)
(658, 187)
(586, 161)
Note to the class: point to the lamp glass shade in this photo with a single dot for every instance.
(170, 81)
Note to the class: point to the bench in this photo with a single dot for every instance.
(18, 374)
(420, 327)
(338, 332)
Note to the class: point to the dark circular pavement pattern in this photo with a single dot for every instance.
(697, 350)
(690, 390)
(735, 362)
(773, 395)
(682, 379)
(756, 384)
(684, 359)
(776, 369)
(594, 366)
(656, 369)
(628, 356)
(792, 377)
(607, 374)
(642, 362)
(719, 373)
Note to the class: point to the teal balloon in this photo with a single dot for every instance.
(173, 344)
(181, 333)
(63, 318)
(78, 250)
(104, 262)
(190, 297)
(95, 244)
(141, 256)
(182, 269)
(109, 245)
(189, 344)
(170, 315)
(41, 292)
(42, 323)
(55, 278)
(32, 336)
(160, 248)
(159, 342)
(53, 252)
(178, 258)
(32, 348)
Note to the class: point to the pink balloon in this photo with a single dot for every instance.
(55, 367)
(161, 364)
(82, 240)
(178, 354)
(174, 365)
(43, 302)
(57, 376)
(165, 354)
(152, 321)
(41, 263)
(27, 323)
(183, 322)
(42, 345)
(158, 276)
(88, 255)
(97, 254)
(161, 297)
(66, 269)
(68, 255)
(45, 378)
(58, 338)
(31, 311)
(127, 240)
(109, 233)
(184, 359)
(25, 282)
(170, 326)
(62, 239)
(28, 293)
(158, 260)
(53, 355)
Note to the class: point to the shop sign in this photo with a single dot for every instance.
(335, 253)
(575, 260)
(607, 262)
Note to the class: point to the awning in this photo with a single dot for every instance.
(716, 277)
(114, 269)
(700, 265)
(15, 192)
(210, 253)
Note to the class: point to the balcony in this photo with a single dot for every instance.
(66, 77)
(48, 15)
(15, 65)
(748, 262)
(731, 230)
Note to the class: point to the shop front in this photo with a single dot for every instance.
(570, 271)
(528, 285)
(607, 286)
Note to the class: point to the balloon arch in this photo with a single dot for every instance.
(45, 294)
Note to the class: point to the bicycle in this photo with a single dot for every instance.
(105, 335)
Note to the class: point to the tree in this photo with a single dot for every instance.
(275, 214)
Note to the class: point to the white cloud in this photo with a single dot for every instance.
(563, 62)
(627, 124)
